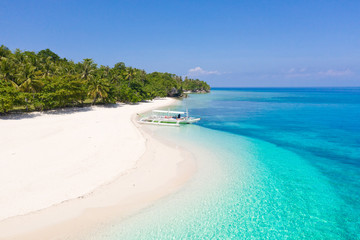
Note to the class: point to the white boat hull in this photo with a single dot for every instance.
(168, 122)
(168, 118)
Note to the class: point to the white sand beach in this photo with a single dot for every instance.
(58, 167)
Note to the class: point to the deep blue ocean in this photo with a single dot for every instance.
(274, 163)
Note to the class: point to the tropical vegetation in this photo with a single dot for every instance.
(42, 81)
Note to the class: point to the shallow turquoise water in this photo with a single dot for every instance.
(273, 164)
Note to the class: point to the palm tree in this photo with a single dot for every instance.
(31, 85)
(25, 73)
(105, 71)
(47, 67)
(87, 68)
(67, 68)
(118, 73)
(130, 74)
(98, 87)
(6, 66)
(29, 81)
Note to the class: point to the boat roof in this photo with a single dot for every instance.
(164, 111)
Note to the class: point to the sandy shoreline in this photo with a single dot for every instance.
(88, 182)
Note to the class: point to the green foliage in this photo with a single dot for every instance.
(8, 96)
(47, 53)
(60, 92)
(99, 87)
(195, 85)
(4, 51)
(128, 95)
(43, 81)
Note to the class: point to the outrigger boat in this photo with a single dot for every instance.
(168, 118)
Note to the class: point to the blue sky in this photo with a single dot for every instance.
(227, 43)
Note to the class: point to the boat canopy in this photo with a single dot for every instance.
(170, 112)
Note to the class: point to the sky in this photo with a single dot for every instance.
(241, 43)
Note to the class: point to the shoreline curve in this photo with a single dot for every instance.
(153, 176)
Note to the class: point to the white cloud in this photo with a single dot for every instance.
(198, 71)
(297, 72)
(303, 72)
(335, 73)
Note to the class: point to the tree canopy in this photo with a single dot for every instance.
(43, 80)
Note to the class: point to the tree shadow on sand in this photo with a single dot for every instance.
(64, 111)
(28, 115)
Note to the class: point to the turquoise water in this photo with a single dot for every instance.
(273, 164)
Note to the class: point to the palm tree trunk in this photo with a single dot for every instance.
(95, 98)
